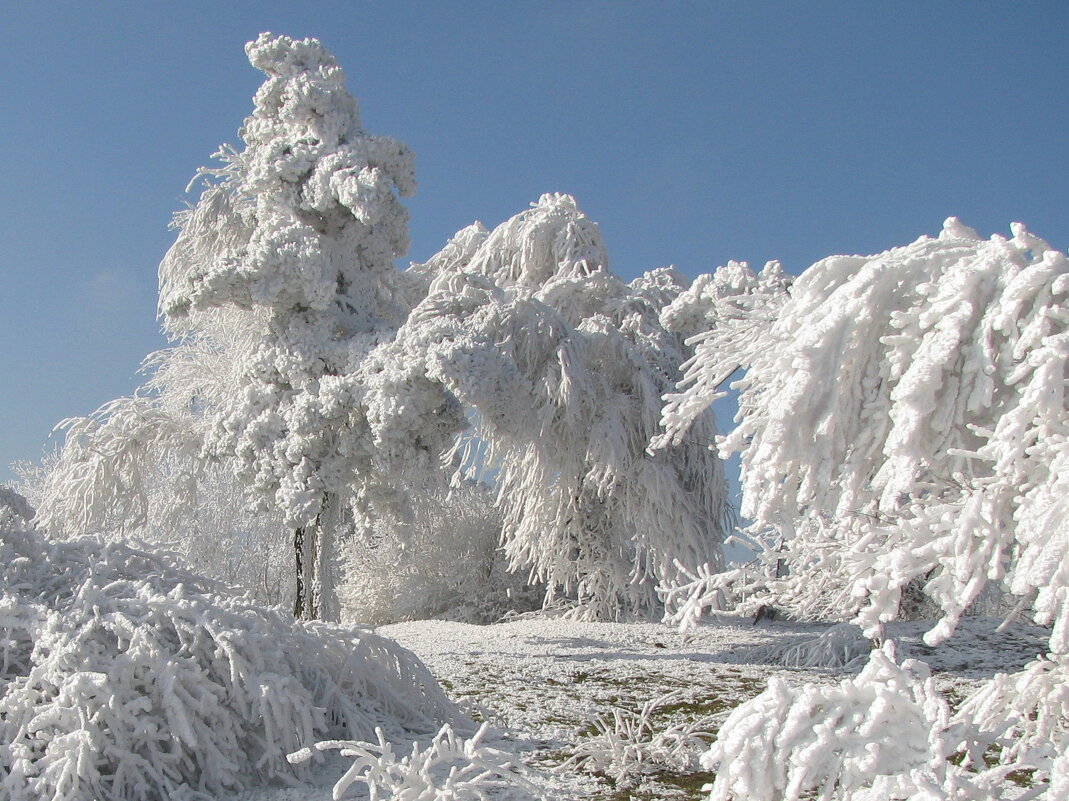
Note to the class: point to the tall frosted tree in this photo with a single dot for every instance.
(300, 234)
(564, 366)
(280, 281)
(339, 389)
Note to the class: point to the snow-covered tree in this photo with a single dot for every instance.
(280, 281)
(338, 389)
(904, 422)
(563, 365)
(300, 234)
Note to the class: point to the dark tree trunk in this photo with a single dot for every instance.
(305, 605)
(298, 553)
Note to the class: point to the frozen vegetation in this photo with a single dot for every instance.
(510, 434)
(123, 676)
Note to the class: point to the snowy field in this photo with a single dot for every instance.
(541, 682)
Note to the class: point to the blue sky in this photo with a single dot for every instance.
(693, 132)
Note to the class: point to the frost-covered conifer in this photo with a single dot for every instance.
(300, 234)
(280, 282)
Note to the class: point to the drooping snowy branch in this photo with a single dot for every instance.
(903, 421)
(725, 317)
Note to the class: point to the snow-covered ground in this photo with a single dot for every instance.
(540, 682)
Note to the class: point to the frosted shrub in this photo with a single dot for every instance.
(15, 510)
(841, 646)
(126, 679)
(630, 744)
(1025, 717)
(442, 562)
(884, 734)
(449, 767)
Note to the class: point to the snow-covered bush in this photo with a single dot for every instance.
(631, 744)
(843, 646)
(449, 767)
(15, 510)
(125, 678)
(183, 506)
(443, 561)
(885, 734)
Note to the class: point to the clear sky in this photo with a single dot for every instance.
(693, 132)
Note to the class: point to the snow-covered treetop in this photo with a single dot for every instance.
(308, 215)
(552, 240)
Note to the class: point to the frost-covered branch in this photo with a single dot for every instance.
(449, 767)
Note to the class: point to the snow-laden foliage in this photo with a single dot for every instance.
(903, 422)
(631, 744)
(564, 365)
(1025, 717)
(449, 767)
(169, 501)
(125, 678)
(320, 376)
(443, 561)
(726, 317)
(884, 734)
